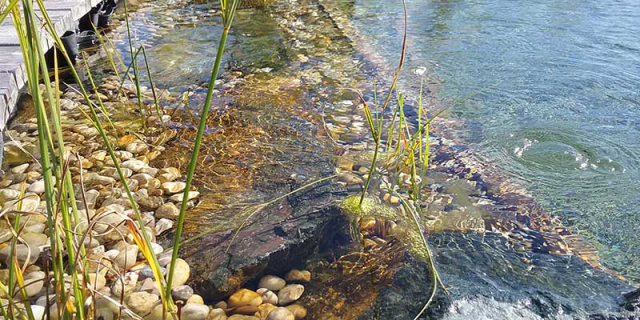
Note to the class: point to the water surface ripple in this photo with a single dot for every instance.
(559, 105)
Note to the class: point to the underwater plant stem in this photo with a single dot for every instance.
(194, 157)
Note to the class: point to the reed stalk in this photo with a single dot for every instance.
(228, 12)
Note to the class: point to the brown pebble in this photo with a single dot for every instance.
(246, 310)
(299, 312)
(298, 275)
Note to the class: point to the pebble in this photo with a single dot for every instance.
(20, 169)
(147, 272)
(30, 203)
(280, 314)
(196, 299)
(5, 235)
(125, 284)
(268, 296)
(298, 311)
(349, 178)
(137, 147)
(169, 174)
(97, 281)
(158, 314)
(34, 282)
(244, 297)
(150, 171)
(142, 302)
(35, 239)
(272, 283)
(179, 196)
(8, 194)
(163, 225)
(246, 310)
(14, 156)
(264, 310)
(38, 312)
(149, 285)
(242, 317)
(194, 312)
(168, 211)
(173, 187)
(35, 228)
(181, 273)
(298, 276)
(22, 252)
(290, 293)
(127, 257)
(148, 202)
(134, 164)
(217, 314)
(37, 187)
(182, 292)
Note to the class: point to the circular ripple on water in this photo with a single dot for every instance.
(557, 156)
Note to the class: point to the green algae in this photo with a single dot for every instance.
(413, 241)
(369, 208)
(410, 236)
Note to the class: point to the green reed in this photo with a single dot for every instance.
(400, 152)
(60, 199)
(228, 10)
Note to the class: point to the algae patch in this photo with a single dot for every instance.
(369, 208)
(410, 234)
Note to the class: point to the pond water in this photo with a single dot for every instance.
(543, 93)
(550, 97)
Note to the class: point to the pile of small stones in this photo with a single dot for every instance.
(274, 300)
(117, 270)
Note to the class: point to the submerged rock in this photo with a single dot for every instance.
(296, 227)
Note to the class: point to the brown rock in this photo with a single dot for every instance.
(264, 310)
(244, 297)
(246, 310)
(298, 311)
(298, 275)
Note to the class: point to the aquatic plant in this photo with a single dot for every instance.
(400, 157)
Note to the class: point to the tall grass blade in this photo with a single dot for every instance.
(228, 12)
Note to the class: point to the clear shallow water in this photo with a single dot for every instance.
(538, 138)
(555, 99)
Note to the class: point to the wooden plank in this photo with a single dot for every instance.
(63, 14)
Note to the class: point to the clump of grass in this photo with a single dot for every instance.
(405, 152)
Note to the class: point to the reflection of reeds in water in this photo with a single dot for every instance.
(66, 264)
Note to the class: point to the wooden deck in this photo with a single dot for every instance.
(64, 14)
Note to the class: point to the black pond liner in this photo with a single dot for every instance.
(86, 38)
(105, 15)
(90, 19)
(70, 42)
